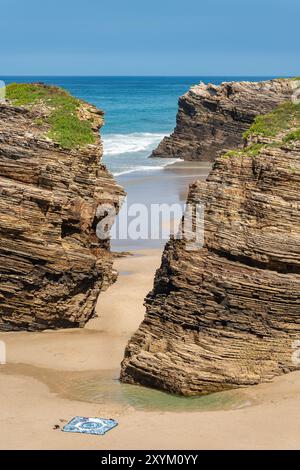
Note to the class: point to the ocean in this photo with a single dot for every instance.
(139, 112)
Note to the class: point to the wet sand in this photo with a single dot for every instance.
(169, 187)
(53, 376)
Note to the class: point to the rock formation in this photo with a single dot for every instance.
(212, 118)
(227, 314)
(52, 265)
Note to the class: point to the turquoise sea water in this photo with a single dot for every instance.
(139, 112)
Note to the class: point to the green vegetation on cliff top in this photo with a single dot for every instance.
(283, 118)
(65, 126)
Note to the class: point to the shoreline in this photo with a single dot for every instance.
(166, 186)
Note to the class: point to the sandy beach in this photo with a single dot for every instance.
(35, 395)
(53, 376)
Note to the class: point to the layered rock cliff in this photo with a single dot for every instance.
(227, 314)
(211, 118)
(52, 265)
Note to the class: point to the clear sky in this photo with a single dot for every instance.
(150, 37)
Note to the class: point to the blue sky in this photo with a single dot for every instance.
(153, 37)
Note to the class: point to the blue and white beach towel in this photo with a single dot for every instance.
(97, 426)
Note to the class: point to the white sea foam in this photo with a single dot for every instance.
(145, 168)
(128, 153)
(116, 144)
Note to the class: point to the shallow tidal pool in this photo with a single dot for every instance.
(104, 387)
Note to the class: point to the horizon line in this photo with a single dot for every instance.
(147, 76)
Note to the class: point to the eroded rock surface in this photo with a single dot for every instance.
(52, 265)
(212, 118)
(227, 315)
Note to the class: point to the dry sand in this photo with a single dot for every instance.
(33, 399)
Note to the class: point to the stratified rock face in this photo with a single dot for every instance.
(227, 315)
(52, 264)
(212, 118)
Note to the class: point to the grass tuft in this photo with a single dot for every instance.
(292, 136)
(252, 150)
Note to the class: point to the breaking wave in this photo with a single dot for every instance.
(116, 144)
